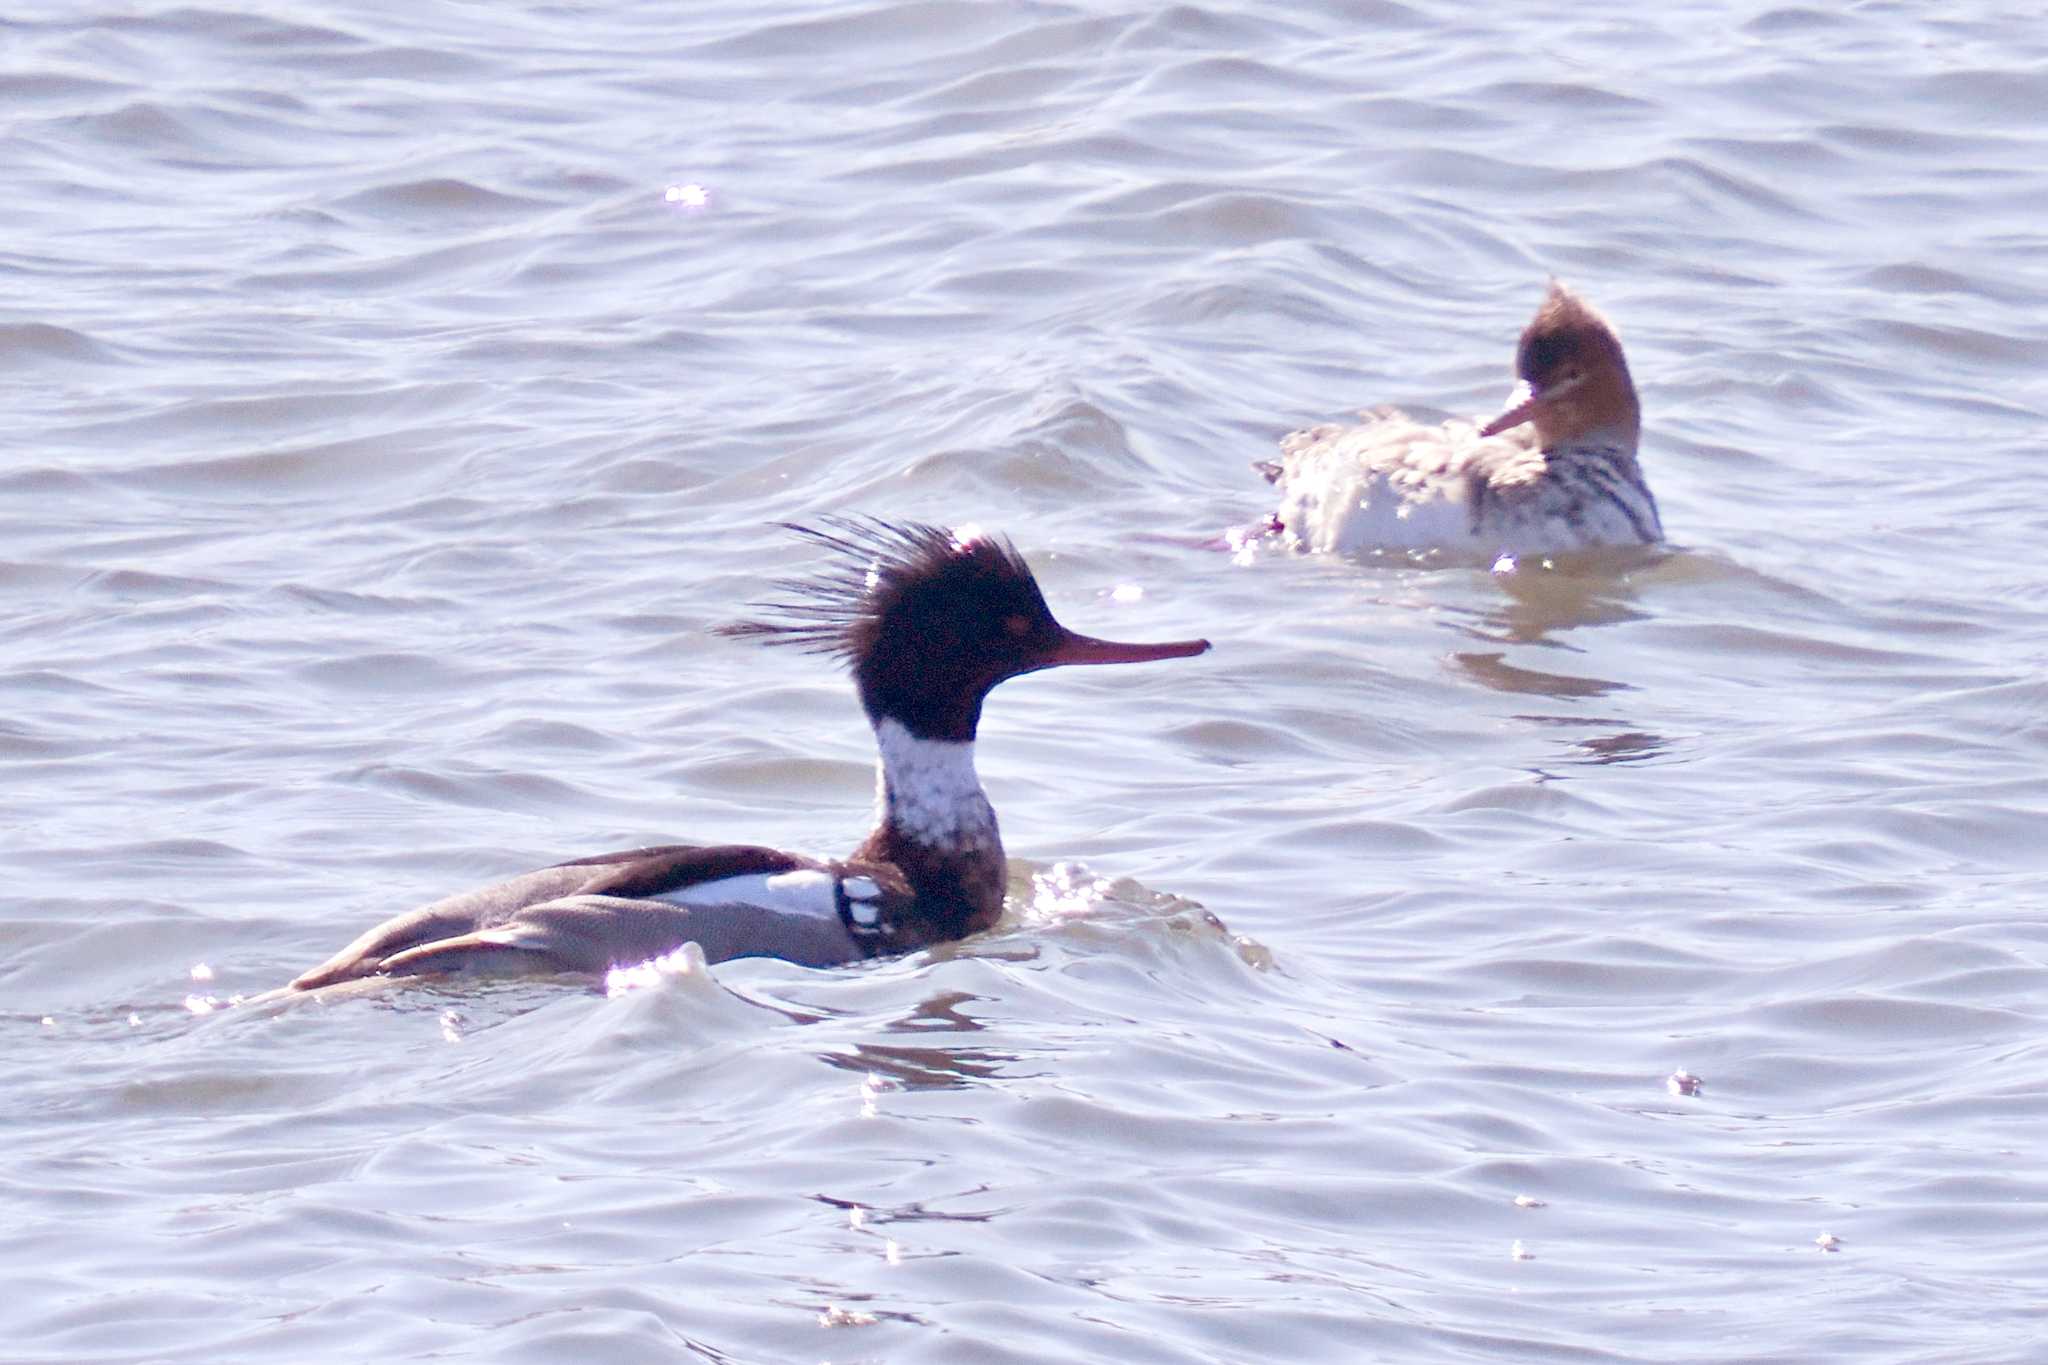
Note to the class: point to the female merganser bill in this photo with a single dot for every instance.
(929, 622)
(1556, 471)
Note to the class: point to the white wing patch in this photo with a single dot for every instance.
(804, 892)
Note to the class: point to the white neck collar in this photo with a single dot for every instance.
(928, 791)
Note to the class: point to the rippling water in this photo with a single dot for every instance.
(397, 398)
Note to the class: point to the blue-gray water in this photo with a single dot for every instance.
(395, 397)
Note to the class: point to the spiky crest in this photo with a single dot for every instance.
(839, 610)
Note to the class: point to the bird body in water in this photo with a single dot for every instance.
(928, 621)
(1555, 471)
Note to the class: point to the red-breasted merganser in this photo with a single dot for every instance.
(929, 622)
(1556, 471)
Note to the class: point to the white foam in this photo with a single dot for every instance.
(685, 960)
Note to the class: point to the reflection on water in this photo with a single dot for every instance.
(921, 1068)
(941, 1013)
(1618, 742)
(1567, 592)
(1494, 671)
(1626, 746)
(924, 1068)
(915, 1210)
(1541, 603)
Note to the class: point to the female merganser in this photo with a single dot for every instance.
(929, 622)
(1572, 484)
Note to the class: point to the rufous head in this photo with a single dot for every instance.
(1574, 378)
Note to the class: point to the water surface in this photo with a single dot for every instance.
(397, 399)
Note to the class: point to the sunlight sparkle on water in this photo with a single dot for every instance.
(1244, 540)
(873, 1084)
(1065, 889)
(1127, 592)
(691, 196)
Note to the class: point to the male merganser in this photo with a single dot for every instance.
(1570, 483)
(929, 622)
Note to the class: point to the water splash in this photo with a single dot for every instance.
(688, 960)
